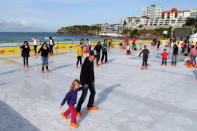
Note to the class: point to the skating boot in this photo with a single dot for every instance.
(97, 65)
(63, 115)
(78, 114)
(94, 108)
(146, 67)
(142, 68)
(73, 125)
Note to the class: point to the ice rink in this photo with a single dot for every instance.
(158, 99)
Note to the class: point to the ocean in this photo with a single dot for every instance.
(17, 38)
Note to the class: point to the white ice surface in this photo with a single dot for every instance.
(159, 99)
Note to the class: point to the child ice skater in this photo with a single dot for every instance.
(145, 52)
(164, 57)
(79, 54)
(71, 98)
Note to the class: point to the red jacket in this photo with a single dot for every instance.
(183, 45)
(164, 55)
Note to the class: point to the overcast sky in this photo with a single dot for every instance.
(49, 15)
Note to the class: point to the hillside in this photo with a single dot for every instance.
(80, 30)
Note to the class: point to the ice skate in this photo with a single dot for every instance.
(142, 68)
(94, 108)
(73, 124)
(63, 115)
(78, 114)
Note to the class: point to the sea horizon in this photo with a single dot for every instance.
(17, 38)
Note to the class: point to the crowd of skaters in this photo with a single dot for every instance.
(99, 53)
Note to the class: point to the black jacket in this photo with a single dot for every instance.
(98, 48)
(25, 51)
(44, 52)
(175, 50)
(145, 52)
(87, 72)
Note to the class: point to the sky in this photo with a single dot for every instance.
(50, 15)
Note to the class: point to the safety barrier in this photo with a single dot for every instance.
(9, 50)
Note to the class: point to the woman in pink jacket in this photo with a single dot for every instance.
(193, 54)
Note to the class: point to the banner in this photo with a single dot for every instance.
(59, 47)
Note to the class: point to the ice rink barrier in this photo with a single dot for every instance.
(9, 50)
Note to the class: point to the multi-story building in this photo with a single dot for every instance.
(153, 11)
(134, 22)
(175, 22)
(174, 18)
(193, 13)
(174, 13)
(112, 28)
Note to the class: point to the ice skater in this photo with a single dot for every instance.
(44, 50)
(25, 49)
(71, 99)
(35, 45)
(164, 55)
(97, 49)
(158, 44)
(51, 45)
(87, 81)
(104, 52)
(145, 53)
(182, 48)
(128, 52)
(193, 55)
(174, 55)
(79, 54)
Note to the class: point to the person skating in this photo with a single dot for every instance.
(128, 50)
(71, 99)
(35, 46)
(134, 46)
(140, 45)
(25, 49)
(110, 43)
(51, 45)
(174, 55)
(44, 50)
(145, 53)
(89, 44)
(104, 52)
(182, 48)
(87, 81)
(158, 44)
(79, 54)
(97, 49)
(164, 55)
(193, 55)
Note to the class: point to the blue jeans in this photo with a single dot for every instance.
(174, 59)
(44, 60)
(193, 57)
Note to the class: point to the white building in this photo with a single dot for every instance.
(174, 13)
(111, 28)
(174, 18)
(175, 22)
(193, 13)
(134, 22)
(153, 11)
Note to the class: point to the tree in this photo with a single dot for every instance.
(191, 22)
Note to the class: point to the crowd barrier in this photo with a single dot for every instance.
(9, 50)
